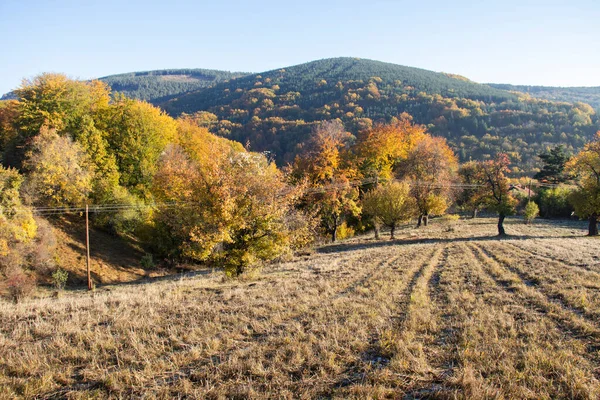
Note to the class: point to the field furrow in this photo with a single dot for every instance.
(578, 291)
(442, 312)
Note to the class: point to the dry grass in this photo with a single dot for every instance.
(447, 311)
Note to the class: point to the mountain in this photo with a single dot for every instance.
(161, 85)
(589, 95)
(275, 111)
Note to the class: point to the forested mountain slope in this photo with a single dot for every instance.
(590, 95)
(274, 111)
(159, 86)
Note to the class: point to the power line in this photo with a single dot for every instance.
(116, 207)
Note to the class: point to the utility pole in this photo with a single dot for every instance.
(87, 246)
(529, 197)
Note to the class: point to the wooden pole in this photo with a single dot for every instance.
(529, 197)
(87, 246)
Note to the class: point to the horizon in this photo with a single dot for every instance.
(530, 43)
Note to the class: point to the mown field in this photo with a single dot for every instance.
(447, 311)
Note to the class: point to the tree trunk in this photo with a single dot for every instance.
(335, 228)
(393, 229)
(501, 231)
(376, 228)
(474, 213)
(425, 219)
(239, 269)
(420, 220)
(593, 225)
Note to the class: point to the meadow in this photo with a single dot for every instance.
(444, 311)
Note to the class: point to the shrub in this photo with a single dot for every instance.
(554, 203)
(531, 212)
(19, 285)
(147, 261)
(59, 278)
(345, 231)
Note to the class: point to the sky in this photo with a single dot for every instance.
(553, 43)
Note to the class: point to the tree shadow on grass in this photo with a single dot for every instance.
(342, 247)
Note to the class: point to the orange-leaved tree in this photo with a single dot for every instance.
(379, 150)
(430, 166)
(323, 166)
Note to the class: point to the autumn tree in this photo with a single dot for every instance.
(379, 150)
(586, 199)
(59, 171)
(55, 101)
(58, 102)
(17, 232)
(467, 197)
(16, 220)
(390, 204)
(493, 190)
(235, 208)
(9, 112)
(323, 166)
(430, 166)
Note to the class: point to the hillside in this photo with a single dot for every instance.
(447, 312)
(162, 85)
(274, 111)
(589, 95)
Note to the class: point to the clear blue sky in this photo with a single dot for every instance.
(520, 42)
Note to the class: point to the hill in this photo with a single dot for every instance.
(162, 85)
(275, 111)
(589, 95)
(449, 313)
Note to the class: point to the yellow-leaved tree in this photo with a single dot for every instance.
(585, 166)
(17, 232)
(390, 204)
(233, 208)
(59, 170)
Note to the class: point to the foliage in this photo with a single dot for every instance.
(390, 204)
(158, 86)
(588, 95)
(430, 166)
(380, 148)
(19, 285)
(554, 202)
(17, 231)
(58, 169)
(59, 278)
(147, 261)
(554, 165)
(16, 221)
(586, 199)
(468, 198)
(531, 211)
(239, 205)
(277, 110)
(345, 231)
(9, 112)
(324, 165)
(493, 190)
(137, 134)
(57, 102)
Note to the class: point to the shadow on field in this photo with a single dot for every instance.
(342, 247)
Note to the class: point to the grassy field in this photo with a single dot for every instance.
(447, 311)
